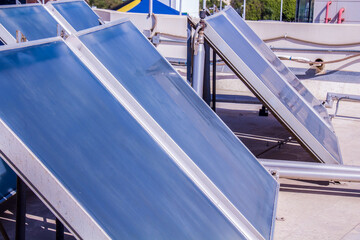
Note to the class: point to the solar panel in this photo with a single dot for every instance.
(194, 127)
(77, 13)
(89, 160)
(270, 86)
(266, 52)
(31, 19)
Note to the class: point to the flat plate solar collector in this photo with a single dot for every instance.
(80, 148)
(264, 80)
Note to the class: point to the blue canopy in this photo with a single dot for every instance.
(143, 7)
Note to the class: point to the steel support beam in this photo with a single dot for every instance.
(20, 209)
(312, 171)
(3, 232)
(213, 98)
(330, 97)
(189, 55)
(206, 86)
(59, 230)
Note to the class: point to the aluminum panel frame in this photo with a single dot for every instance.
(5, 36)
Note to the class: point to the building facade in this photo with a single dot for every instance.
(324, 11)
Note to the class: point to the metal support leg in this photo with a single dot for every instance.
(3, 232)
(206, 89)
(279, 144)
(214, 82)
(189, 55)
(59, 230)
(263, 111)
(312, 171)
(20, 209)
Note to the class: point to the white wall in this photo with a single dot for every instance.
(167, 2)
(351, 14)
(189, 6)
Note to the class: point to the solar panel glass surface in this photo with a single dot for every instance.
(77, 13)
(32, 20)
(162, 92)
(266, 74)
(125, 181)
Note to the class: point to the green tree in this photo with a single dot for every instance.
(289, 10)
(210, 4)
(106, 4)
(254, 9)
(266, 9)
(271, 10)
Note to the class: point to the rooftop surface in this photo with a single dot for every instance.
(306, 209)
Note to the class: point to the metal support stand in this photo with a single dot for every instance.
(3, 232)
(263, 111)
(214, 82)
(59, 230)
(312, 171)
(206, 86)
(20, 209)
(330, 97)
(279, 144)
(189, 54)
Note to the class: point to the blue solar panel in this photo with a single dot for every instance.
(270, 86)
(77, 13)
(132, 59)
(106, 160)
(32, 20)
(266, 52)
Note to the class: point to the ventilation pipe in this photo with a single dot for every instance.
(327, 19)
(340, 19)
(244, 10)
(150, 8)
(199, 56)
